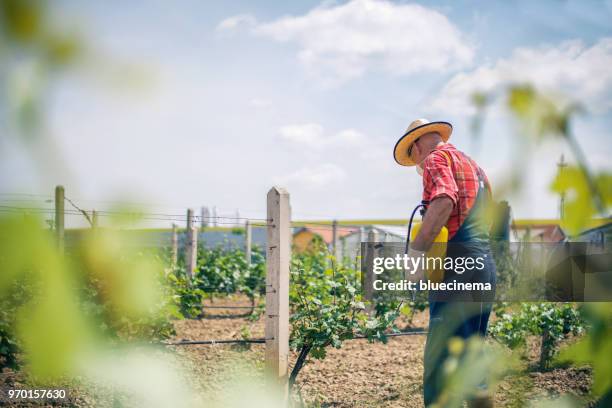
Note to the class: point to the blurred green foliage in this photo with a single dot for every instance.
(22, 19)
(56, 308)
(480, 101)
(587, 195)
(48, 326)
(579, 204)
(15, 296)
(32, 49)
(542, 116)
(60, 308)
(595, 348)
(471, 364)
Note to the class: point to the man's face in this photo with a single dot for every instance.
(418, 150)
(415, 153)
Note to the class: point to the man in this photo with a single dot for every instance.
(455, 191)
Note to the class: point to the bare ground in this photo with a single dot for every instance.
(373, 375)
(359, 374)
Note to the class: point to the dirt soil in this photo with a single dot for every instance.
(359, 374)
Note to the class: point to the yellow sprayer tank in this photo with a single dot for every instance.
(435, 272)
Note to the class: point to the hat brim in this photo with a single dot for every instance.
(400, 152)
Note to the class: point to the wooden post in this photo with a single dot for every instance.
(191, 244)
(367, 270)
(561, 165)
(247, 241)
(277, 285)
(94, 219)
(205, 216)
(174, 244)
(59, 217)
(335, 239)
(358, 255)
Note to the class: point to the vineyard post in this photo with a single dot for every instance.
(359, 256)
(247, 241)
(204, 217)
(191, 245)
(174, 244)
(94, 219)
(59, 217)
(367, 270)
(278, 256)
(335, 239)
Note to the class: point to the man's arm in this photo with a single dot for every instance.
(436, 217)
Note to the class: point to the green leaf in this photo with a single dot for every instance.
(579, 204)
(596, 347)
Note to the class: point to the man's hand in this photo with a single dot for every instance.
(435, 218)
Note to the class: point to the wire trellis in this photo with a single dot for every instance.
(210, 221)
(219, 220)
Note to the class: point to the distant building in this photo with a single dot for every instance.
(551, 231)
(536, 231)
(350, 244)
(303, 237)
(598, 235)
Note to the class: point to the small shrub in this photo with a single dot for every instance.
(551, 321)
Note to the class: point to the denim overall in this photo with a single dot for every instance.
(454, 313)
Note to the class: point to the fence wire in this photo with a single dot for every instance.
(219, 220)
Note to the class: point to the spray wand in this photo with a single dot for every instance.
(423, 207)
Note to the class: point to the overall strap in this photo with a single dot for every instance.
(484, 191)
(448, 159)
(479, 171)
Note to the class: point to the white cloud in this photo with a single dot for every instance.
(578, 71)
(318, 176)
(341, 42)
(350, 137)
(312, 135)
(309, 134)
(260, 103)
(233, 22)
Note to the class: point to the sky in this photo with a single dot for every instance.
(194, 103)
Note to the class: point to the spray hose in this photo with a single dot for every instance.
(423, 205)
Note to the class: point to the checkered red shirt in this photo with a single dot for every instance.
(449, 172)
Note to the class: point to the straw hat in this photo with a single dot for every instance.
(417, 129)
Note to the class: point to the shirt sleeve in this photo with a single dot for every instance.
(438, 178)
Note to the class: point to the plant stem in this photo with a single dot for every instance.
(299, 364)
(547, 350)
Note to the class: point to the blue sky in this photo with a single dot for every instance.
(195, 103)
